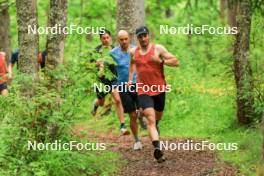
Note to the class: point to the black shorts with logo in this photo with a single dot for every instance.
(157, 101)
(102, 94)
(129, 99)
(3, 86)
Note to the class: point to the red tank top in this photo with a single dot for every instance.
(149, 73)
(2, 70)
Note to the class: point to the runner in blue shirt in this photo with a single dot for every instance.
(121, 56)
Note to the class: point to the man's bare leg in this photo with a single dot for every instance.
(134, 128)
(4, 92)
(154, 135)
(119, 111)
(158, 116)
(97, 102)
(151, 122)
(133, 124)
(118, 104)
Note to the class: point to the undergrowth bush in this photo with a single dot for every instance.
(45, 117)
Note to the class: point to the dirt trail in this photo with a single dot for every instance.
(178, 163)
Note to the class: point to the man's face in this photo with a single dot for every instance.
(124, 41)
(143, 39)
(106, 39)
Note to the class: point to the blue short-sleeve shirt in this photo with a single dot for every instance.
(123, 61)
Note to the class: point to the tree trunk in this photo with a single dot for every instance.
(55, 42)
(223, 7)
(168, 12)
(4, 29)
(55, 49)
(27, 43)
(232, 12)
(260, 167)
(196, 4)
(242, 67)
(81, 20)
(188, 9)
(130, 15)
(262, 126)
(158, 4)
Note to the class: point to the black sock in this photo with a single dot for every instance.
(157, 126)
(122, 125)
(95, 107)
(156, 144)
(136, 138)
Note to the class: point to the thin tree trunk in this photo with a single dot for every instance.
(81, 20)
(262, 147)
(196, 4)
(5, 43)
(158, 4)
(188, 9)
(168, 12)
(242, 67)
(55, 42)
(55, 49)
(232, 12)
(260, 168)
(223, 7)
(130, 15)
(28, 43)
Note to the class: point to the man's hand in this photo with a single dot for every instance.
(99, 63)
(128, 84)
(9, 77)
(168, 58)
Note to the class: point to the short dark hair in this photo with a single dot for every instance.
(104, 31)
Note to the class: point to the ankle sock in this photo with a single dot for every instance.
(156, 144)
(122, 125)
(136, 138)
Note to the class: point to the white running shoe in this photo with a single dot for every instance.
(124, 131)
(138, 145)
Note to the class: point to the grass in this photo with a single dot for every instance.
(202, 101)
(202, 108)
(205, 108)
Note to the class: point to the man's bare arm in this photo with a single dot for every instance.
(10, 70)
(132, 66)
(169, 59)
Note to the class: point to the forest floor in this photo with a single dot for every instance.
(142, 163)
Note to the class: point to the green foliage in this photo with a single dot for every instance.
(201, 104)
(46, 117)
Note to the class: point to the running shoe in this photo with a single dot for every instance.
(124, 131)
(158, 155)
(138, 145)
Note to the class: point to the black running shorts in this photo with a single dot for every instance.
(3, 86)
(102, 94)
(157, 101)
(129, 100)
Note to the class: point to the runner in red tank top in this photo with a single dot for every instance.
(148, 61)
(150, 73)
(3, 77)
